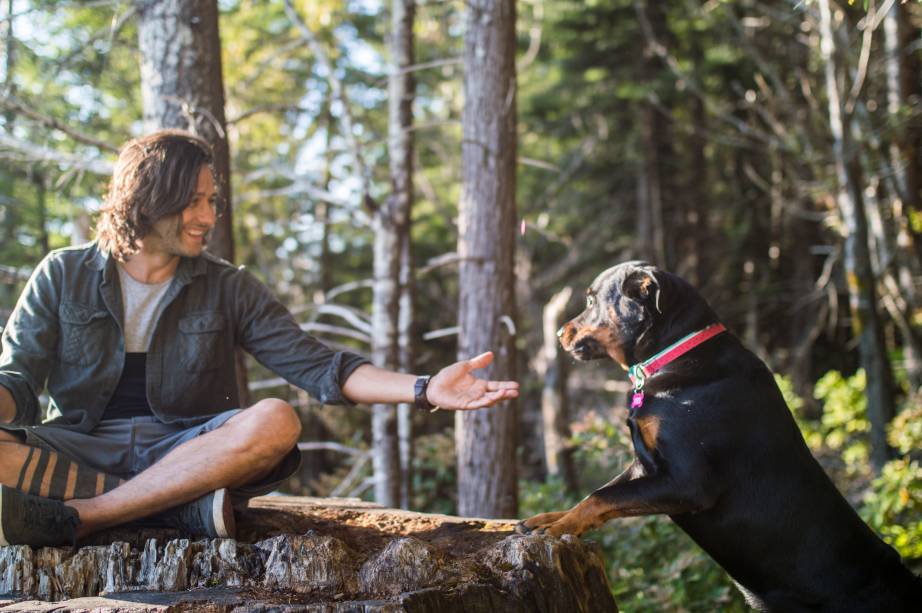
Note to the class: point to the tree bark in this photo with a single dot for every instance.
(301, 554)
(9, 60)
(11, 215)
(322, 207)
(486, 440)
(651, 234)
(386, 453)
(903, 89)
(558, 455)
(798, 237)
(391, 224)
(657, 150)
(866, 322)
(182, 87)
(695, 208)
(41, 198)
(902, 86)
(407, 350)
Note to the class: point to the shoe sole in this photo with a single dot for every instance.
(222, 514)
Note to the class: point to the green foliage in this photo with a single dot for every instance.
(434, 479)
(845, 426)
(905, 433)
(893, 507)
(795, 403)
(891, 502)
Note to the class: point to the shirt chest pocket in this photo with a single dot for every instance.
(200, 341)
(84, 330)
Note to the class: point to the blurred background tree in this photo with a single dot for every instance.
(718, 139)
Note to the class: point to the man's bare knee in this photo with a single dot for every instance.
(270, 427)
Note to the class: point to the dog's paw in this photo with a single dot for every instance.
(539, 524)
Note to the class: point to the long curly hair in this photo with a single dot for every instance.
(155, 177)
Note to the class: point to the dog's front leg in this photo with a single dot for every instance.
(631, 493)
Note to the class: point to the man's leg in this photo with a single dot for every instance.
(242, 450)
(46, 473)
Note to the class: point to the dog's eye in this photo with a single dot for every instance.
(590, 301)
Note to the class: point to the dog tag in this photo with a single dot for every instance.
(637, 400)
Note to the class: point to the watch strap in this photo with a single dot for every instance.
(419, 393)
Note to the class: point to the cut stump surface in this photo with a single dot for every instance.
(317, 555)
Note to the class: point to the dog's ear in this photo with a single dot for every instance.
(643, 287)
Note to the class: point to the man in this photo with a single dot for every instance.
(134, 337)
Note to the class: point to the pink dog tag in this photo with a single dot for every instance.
(637, 400)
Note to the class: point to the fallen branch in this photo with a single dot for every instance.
(32, 152)
(20, 107)
(331, 446)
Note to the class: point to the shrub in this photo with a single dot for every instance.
(891, 502)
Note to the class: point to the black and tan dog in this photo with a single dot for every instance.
(719, 452)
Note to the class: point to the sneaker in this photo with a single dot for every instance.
(35, 521)
(211, 516)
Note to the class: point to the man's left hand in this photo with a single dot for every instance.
(455, 388)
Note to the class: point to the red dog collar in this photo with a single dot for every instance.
(639, 373)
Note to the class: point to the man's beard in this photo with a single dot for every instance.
(171, 240)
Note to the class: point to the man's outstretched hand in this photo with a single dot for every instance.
(456, 389)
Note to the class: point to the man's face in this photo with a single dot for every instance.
(183, 234)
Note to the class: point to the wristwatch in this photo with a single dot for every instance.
(419, 393)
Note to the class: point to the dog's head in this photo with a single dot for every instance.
(632, 311)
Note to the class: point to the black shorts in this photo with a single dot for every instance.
(126, 447)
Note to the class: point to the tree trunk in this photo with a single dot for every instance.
(901, 38)
(407, 351)
(409, 563)
(902, 86)
(322, 208)
(695, 208)
(657, 150)
(645, 200)
(652, 241)
(391, 223)
(799, 235)
(82, 233)
(866, 323)
(9, 60)
(11, 215)
(386, 453)
(486, 440)
(182, 87)
(41, 198)
(558, 454)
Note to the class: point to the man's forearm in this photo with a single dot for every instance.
(368, 385)
(7, 406)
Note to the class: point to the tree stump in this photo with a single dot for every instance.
(315, 555)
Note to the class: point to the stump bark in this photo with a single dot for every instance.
(315, 555)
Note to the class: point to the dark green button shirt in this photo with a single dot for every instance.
(66, 333)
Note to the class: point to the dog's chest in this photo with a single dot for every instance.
(645, 434)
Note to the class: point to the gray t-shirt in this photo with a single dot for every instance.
(142, 303)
